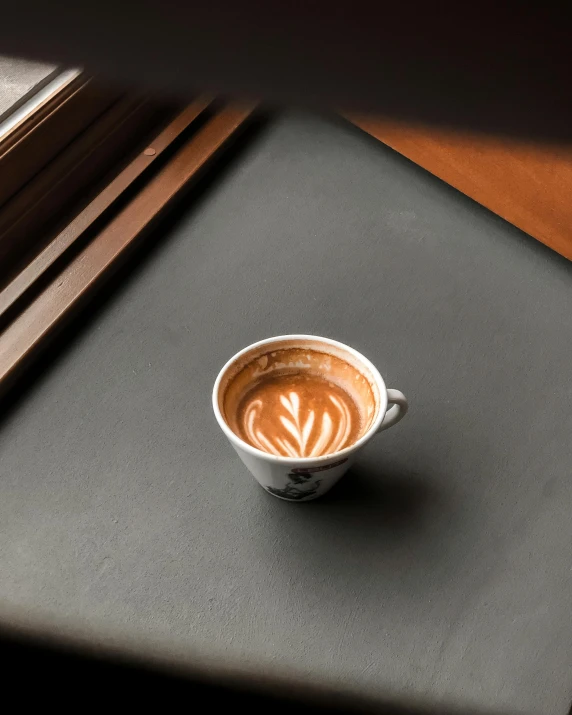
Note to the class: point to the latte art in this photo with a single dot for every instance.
(298, 415)
(296, 401)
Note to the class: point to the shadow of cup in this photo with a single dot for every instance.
(377, 523)
(398, 500)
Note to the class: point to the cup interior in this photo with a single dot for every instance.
(335, 362)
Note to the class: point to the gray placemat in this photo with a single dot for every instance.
(441, 567)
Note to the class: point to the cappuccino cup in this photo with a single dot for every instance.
(298, 408)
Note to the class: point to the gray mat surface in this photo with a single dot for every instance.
(442, 566)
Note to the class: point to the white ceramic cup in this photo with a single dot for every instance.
(306, 478)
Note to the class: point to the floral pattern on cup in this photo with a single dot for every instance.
(299, 487)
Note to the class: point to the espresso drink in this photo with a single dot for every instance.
(299, 402)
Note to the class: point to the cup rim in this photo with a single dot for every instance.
(276, 459)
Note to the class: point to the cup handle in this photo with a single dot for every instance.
(396, 412)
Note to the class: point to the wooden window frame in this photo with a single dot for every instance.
(66, 267)
(39, 136)
(58, 153)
